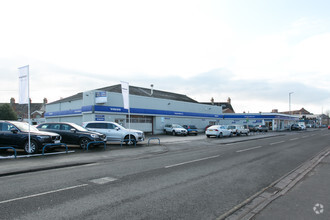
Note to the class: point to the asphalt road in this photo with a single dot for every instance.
(200, 179)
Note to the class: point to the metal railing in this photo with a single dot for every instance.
(49, 145)
(153, 139)
(96, 142)
(12, 149)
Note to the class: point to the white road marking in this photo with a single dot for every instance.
(41, 194)
(305, 136)
(192, 161)
(230, 144)
(293, 139)
(252, 148)
(276, 143)
(103, 180)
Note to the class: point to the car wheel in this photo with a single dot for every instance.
(34, 148)
(247, 133)
(208, 136)
(173, 133)
(83, 143)
(196, 134)
(220, 135)
(130, 140)
(231, 134)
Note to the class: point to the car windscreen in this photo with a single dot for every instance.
(78, 127)
(24, 126)
(192, 127)
(177, 126)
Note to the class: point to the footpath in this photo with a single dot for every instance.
(302, 194)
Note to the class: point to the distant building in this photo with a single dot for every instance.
(300, 112)
(226, 106)
(37, 111)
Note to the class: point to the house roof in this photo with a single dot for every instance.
(134, 90)
(302, 111)
(22, 109)
(226, 106)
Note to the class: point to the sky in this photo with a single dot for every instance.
(254, 51)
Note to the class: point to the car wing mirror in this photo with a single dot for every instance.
(14, 130)
(117, 128)
(73, 130)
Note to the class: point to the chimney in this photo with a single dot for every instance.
(152, 89)
(229, 100)
(45, 101)
(12, 101)
(212, 101)
(275, 111)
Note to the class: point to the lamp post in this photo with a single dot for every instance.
(290, 102)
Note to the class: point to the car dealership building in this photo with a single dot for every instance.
(150, 110)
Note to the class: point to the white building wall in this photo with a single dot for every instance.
(139, 102)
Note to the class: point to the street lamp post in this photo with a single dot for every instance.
(290, 102)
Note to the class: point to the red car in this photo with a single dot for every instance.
(329, 127)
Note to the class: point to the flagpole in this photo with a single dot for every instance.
(29, 109)
(24, 94)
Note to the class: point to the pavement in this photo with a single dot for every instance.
(304, 193)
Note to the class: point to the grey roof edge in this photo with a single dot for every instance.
(134, 90)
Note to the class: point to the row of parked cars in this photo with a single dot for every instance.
(176, 129)
(230, 130)
(15, 134)
(216, 130)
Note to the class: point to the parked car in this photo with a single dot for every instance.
(207, 127)
(233, 129)
(16, 134)
(72, 133)
(243, 129)
(295, 127)
(191, 129)
(253, 128)
(262, 128)
(175, 129)
(329, 127)
(115, 132)
(303, 127)
(218, 131)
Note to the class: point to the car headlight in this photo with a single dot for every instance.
(94, 136)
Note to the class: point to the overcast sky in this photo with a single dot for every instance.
(254, 51)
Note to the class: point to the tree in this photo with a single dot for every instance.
(7, 112)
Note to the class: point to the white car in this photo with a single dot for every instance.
(243, 129)
(114, 131)
(218, 131)
(175, 129)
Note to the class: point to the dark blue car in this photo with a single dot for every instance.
(192, 129)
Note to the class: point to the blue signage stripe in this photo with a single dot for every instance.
(116, 109)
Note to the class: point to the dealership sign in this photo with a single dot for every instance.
(101, 97)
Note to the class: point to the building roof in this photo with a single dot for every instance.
(226, 106)
(134, 90)
(302, 111)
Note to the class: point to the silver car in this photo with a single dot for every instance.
(115, 132)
